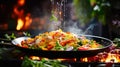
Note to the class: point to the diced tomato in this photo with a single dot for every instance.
(43, 40)
(30, 40)
(54, 35)
(23, 42)
(25, 46)
(62, 35)
(83, 48)
(63, 43)
(49, 47)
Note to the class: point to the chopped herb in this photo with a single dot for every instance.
(27, 34)
(53, 17)
(58, 46)
(10, 37)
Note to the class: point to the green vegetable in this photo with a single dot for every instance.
(91, 42)
(80, 43)
(42, 63)
(10, 37)
(27, 34)
(101, 46)
(13, 36)
(53, 17)
(117, 42)
(58, 46)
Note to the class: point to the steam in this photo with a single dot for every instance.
(54, 25)
(66, 18)
(89, 29)
(92, 29)
(73, 28)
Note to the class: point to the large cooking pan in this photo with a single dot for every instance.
(65, 54)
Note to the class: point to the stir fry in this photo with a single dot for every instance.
(60, 41)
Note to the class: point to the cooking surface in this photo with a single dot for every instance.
(13, 57)
(17, 63)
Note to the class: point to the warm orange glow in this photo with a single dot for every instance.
(67, 59)
(113, 58)
(21, 2)
(28, 21)
(85, 59)
(35, 58)
(20, 24)
(104, 57)
(17, 12)
(21, 58)
(60, 12)
(23, 20)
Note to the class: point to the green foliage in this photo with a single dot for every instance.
(100, 9)
(26, 34)
(83, 10)
(53, 17)
(42, 63)
(13, 36)
(117, 42)
(10, 37)
(87, 9)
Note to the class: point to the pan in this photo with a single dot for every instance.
(106, 43)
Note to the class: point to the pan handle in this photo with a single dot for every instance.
(7, 45)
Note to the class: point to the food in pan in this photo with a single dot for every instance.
(60, 41)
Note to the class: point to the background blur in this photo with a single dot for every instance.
(94, 17)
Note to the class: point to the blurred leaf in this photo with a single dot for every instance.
(26, 34)
(92, 2)
(10, 37)
(42, 63)
(53, 17)
(117, 42)
(88, 9)
(83, 10)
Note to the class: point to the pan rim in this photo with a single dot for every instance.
(14, 43)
